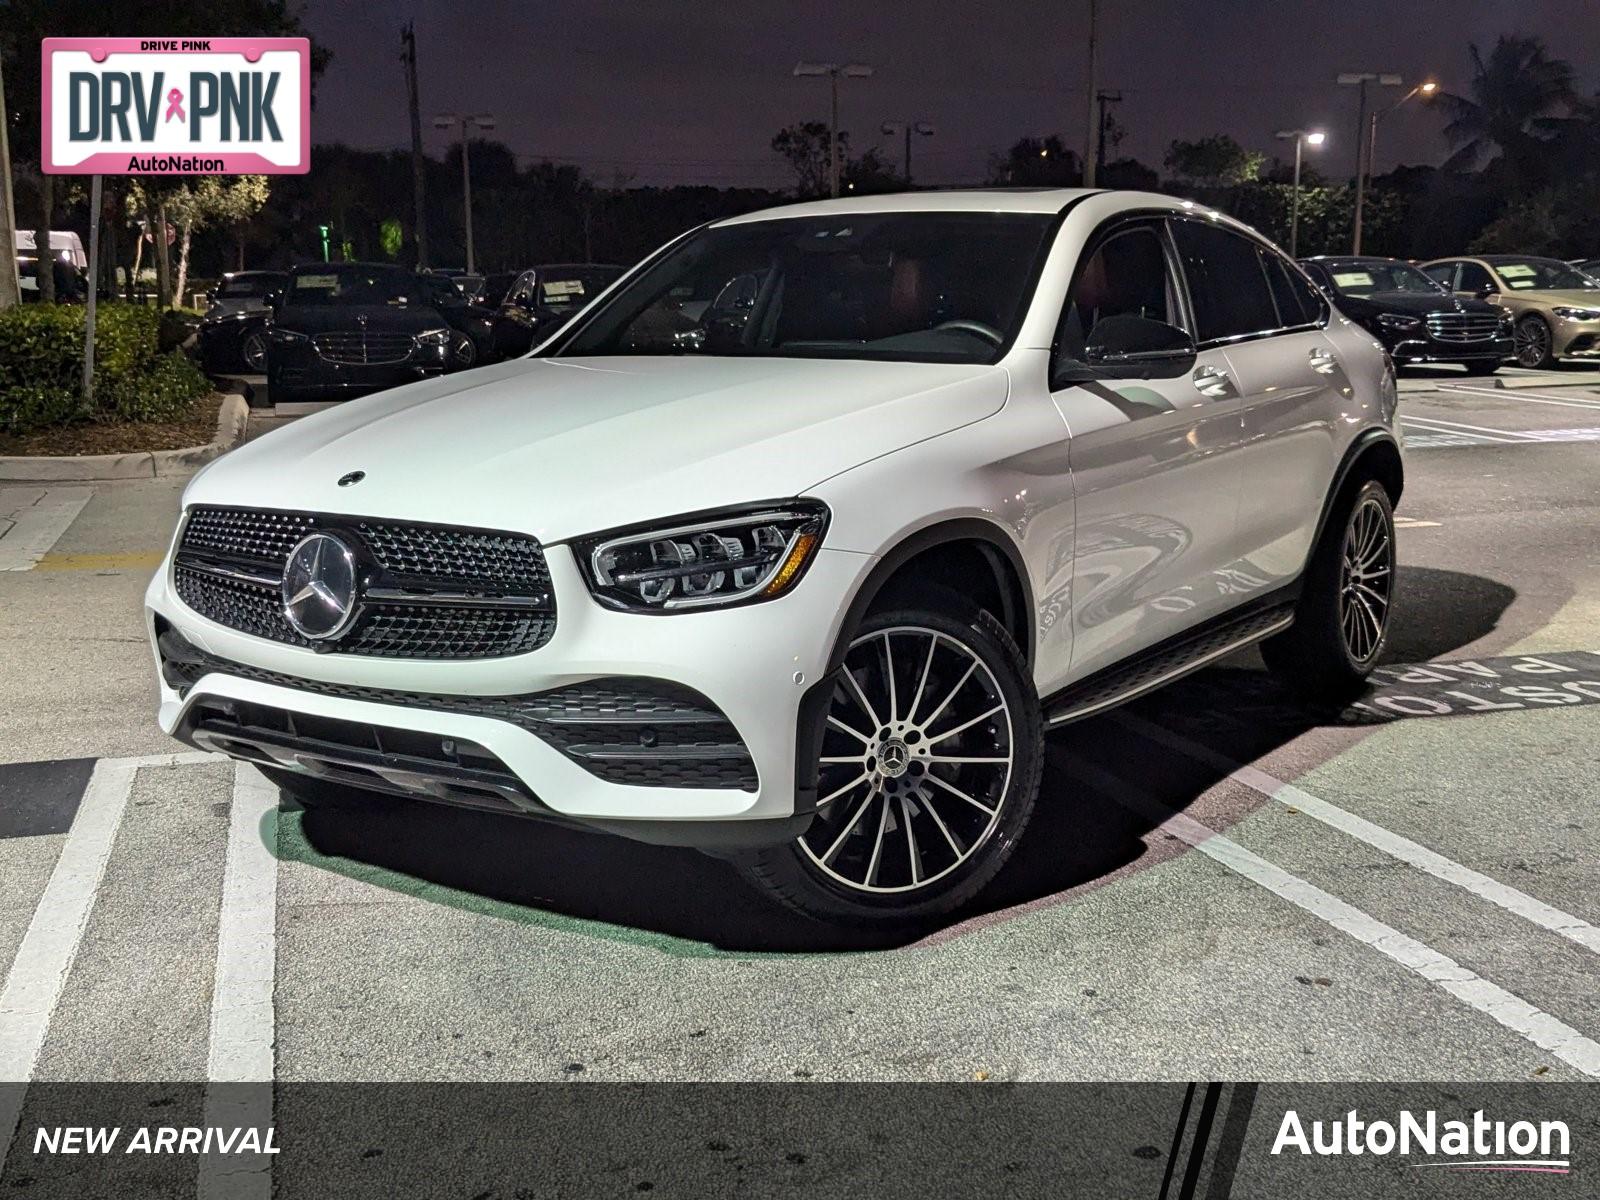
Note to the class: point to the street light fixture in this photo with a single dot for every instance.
(1427, 90)
(464, 123)
(833, 71)
(1302, 137)
(1360, 79)
(920, 128)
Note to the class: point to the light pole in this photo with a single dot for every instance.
(1307, 137)
(833, 71)
(465, 122)
(1426, 90)
(921, 128)
(1360, 79)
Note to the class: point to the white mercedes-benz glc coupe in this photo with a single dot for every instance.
(794, 543)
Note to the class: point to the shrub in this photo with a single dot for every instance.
(41, 366)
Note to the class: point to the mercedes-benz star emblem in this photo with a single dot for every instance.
(352, 477)
(319, 587)
(895, 758)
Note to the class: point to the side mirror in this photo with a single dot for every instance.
(1485, 291)
(273, 299)
(1129, 347)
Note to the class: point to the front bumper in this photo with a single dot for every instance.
(1575, 339)
(1409, 349)
(302, 368)
(760, 667)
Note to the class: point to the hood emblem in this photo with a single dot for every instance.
(319, 587)
(351, 477)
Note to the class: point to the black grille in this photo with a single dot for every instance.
(429, 591)
(1463, 327)
(646, 732)
(365, 347)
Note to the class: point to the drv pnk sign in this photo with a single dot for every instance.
(177, 106)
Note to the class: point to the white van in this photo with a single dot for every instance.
(65, 244)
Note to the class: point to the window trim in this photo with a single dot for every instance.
(1113, 227)
(1325, 310)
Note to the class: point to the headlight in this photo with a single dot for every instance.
(288, 337)
(705, 562)
(1576, 314)
(1507, 322)
(1398, 321)
(434, 337)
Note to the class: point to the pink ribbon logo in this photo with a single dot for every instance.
(175, 105)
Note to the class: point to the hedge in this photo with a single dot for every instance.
(135, 378)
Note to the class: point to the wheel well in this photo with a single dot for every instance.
(976, 569)
(1380, 461)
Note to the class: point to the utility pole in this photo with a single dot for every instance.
(1089, 151)
(922, 128)
(419, 185)
(833, 71)
(1361, 79)
(10, 293)
(467, 123)
(1107, 99)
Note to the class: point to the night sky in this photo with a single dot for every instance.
(659, 91)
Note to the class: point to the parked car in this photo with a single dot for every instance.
(71, 284)
(806, 590)
(469, 342)
(235, 329)
(347, 328)
(492, 289)
(539, 300)
(1589, 266)
(1555, 306)
(1415, 318)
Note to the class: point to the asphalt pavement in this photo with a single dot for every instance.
(1220, 883)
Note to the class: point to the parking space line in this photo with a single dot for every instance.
(50, 945)
(243, 1021)
(1438, 425)
(1514, 1013)
(34, 528)
(1531, 398)
(1574, 929)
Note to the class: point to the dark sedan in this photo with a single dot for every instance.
(233, 332)
(347, 328)
(541, 299)
(1416, 320)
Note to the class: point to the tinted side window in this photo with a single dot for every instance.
(1474, 278)
(1227, 284)
(1444, 274)
(1126, 275)
(1297, 301)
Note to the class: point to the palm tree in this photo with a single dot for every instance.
(1520, 99)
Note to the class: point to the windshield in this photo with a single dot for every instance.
(1364, 278)
(1549, 274)
(244, 286)
(924, 287)
(354, 285)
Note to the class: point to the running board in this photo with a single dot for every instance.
(1161, 665)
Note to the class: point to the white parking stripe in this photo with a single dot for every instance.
(243, 1023)
(51, 944)
(1438, 425)
(1514, 1013)
(1575, 929)
(1531, 398)
(28, 532)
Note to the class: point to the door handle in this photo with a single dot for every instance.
(1212, 381)
(1323, 361)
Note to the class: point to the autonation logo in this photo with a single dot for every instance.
(1476, 1145)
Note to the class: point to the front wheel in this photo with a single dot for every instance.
(1341, 622)
(253, 351)
(1534, 345)
(928, 772)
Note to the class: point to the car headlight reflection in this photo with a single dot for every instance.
(705, 562)
(289, 337)
(1399, 321)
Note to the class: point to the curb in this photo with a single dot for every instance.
(142, 464)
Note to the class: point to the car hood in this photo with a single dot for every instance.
(563, 447)
(1575, 297)
(1415, 303)
(346, 318)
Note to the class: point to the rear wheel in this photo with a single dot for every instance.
(928, 772)
(1534, 345)
(1342, 620)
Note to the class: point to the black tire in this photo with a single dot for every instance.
(1535, 346)
(313, 793)
(1341, 623)
(1482, 368)
(944, 827)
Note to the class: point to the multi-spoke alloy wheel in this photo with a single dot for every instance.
(915, 763)
(1366, 579)
(1531, 341)
(254, 350)
(928, 769)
